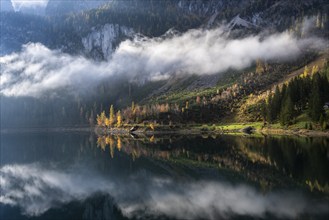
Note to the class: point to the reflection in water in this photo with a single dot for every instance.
(36, 189)
(270, 161)
(153, 177)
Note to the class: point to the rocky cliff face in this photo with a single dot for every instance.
(97, 32)
(55, 7)
(101, 42)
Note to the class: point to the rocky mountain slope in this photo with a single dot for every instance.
(96, 33)
(150, 18)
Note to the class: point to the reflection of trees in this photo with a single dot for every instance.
(270, 161)
(303, 159)
(190, 153)
(316, 185)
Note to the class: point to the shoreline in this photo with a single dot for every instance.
(188, 130)
(179, 130)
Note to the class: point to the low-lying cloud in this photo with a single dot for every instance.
(37, 69)
(36, 189)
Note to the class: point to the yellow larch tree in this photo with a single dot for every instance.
(119, 119)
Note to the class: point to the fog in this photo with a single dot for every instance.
(36, 188)
(36, 69)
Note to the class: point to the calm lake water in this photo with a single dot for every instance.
(81, 176)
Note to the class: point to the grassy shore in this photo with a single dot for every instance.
(229, 128)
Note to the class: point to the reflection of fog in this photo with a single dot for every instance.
(36, 189)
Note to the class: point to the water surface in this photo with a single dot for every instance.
(58, 175)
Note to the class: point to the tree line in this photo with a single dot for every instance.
(306, 93)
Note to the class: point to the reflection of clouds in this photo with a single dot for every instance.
(211, 200)
(36, 190)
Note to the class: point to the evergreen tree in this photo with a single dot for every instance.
(269, 109)
(263, 111)
(324, 88)
(276, 103)
(315, 102)
(287, 112)
(322, 122)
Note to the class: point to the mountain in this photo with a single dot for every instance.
(152, 18)
(56, 8)
(95, 29)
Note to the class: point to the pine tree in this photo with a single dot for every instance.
(263, 111)
(287, 112)
(269, 109)
(315, 102)
(276, 103)
(322, 122)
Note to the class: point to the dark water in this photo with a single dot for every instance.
(82, 176)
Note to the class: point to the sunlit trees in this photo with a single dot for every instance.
(304, 94)
(107, 122)
(119, 119)
(119, 144)
(101, 119)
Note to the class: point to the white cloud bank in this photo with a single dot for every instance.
(36, 189)
(21, 4)
(36, 69)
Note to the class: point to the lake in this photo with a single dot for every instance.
(78, 175)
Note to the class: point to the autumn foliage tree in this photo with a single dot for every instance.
(119, 119)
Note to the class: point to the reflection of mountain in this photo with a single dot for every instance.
(267, 161)
(65, 176)
(48, 192)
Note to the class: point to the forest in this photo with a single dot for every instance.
(305, 95)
